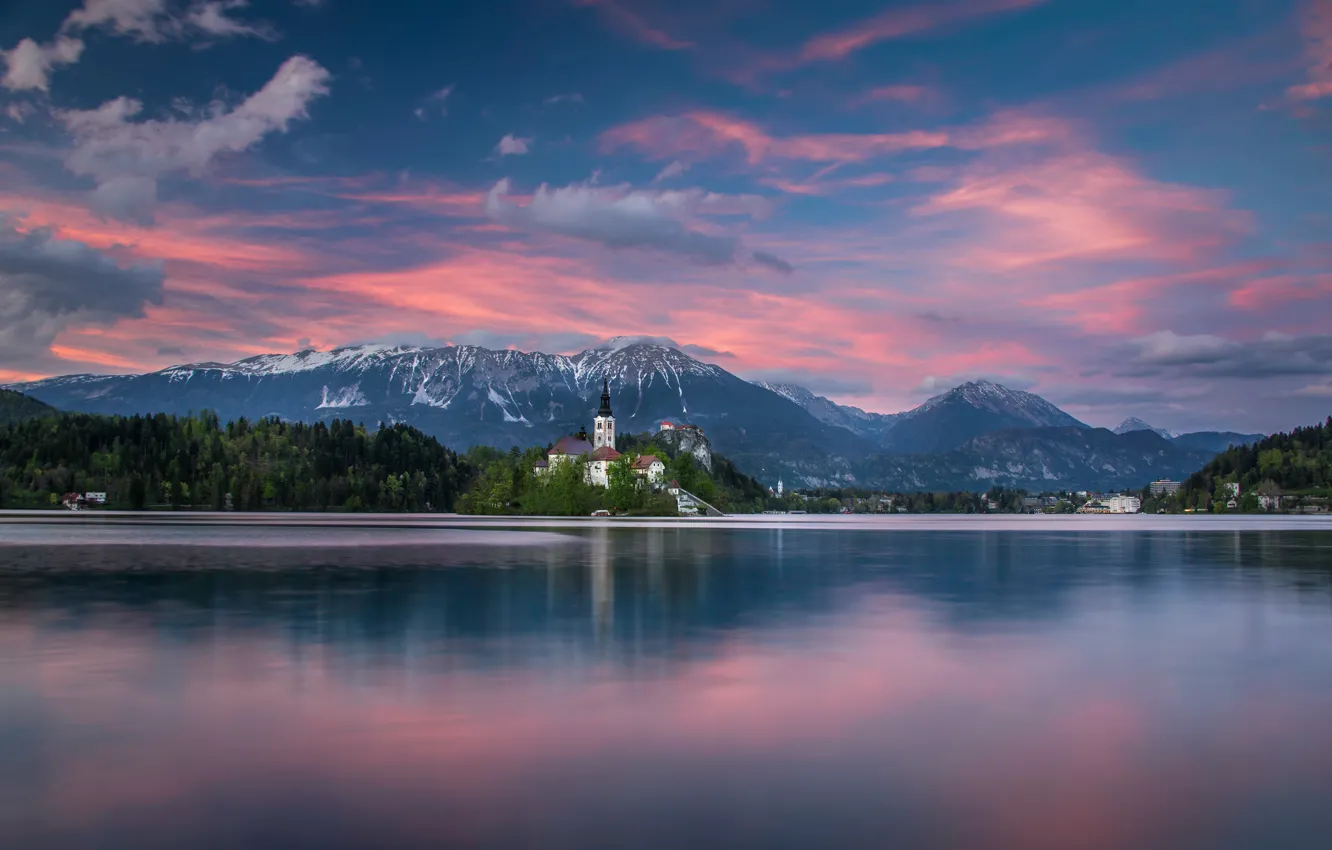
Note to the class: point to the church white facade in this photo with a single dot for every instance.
(603, 425)
(599, 451)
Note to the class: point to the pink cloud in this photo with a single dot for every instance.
(1015, 127)
(702, 134)
(817, 185)
(1235, 65)
(1316, 26)
(904, 22)
(1081, 204)
(184, 239)
(1263, 293)
(425, 197)
(901, 93)
(1123, 307)
(632, 24)
(1031, 194)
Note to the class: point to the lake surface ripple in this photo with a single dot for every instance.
(602, 687)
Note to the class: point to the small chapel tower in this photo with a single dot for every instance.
(604, 429)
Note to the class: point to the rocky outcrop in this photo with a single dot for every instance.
(688, 441)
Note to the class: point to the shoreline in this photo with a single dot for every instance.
(1071, 523)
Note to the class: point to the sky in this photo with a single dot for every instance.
(1122, 205)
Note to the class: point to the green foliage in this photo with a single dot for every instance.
(625, 489)
(196, 462)
(1296, 466)
(17, 407)
(725, 487)
(509, 484)
(857, 500)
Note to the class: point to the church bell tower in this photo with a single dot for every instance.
(604, 428)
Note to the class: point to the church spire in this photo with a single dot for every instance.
(604, 424)
(605, 409)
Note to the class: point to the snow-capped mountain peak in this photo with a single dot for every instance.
(616, 343)
(995, 398)
(790, 392)
(1133, 423)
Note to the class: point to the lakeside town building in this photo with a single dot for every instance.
(1164, 487)
(1112, 505)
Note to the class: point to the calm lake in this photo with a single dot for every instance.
(683, 686)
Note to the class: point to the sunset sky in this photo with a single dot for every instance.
(1123, 205)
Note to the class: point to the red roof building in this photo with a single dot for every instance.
(599, 454)
(604, 453)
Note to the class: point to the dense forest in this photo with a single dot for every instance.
(508, 484)
(1296, 467)
(196, 462)
(173, 462)
(859, 500)
(17, 407)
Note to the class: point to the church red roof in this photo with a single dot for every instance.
(604, 453)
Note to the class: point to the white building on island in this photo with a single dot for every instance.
(650, 468)
(599, 450)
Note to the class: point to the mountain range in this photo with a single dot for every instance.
(970, 437)
(1211, 441)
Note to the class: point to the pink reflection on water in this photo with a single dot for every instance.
(1003, 738)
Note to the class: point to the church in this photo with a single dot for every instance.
(600, 451)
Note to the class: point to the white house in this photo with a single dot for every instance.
(598, 465)
(649, 467)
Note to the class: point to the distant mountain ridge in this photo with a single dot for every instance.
(1133, 423)
(872, 426)
(971, 410)
(468, 395)
(943, 422)
(1038, 459)
(1213, 441)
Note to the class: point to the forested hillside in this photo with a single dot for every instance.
(195, 461)
(16, 407)
(1294, 464)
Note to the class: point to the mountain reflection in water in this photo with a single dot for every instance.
(670, 687)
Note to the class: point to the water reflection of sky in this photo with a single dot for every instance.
(675, 688)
